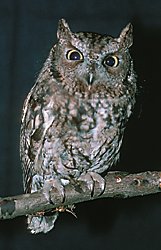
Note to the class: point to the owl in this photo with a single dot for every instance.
(74, 117)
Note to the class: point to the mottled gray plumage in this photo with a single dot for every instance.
(75, 115)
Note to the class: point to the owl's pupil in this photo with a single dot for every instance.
(75, 56)
(110, 61)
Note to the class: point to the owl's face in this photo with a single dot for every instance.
(87, 61)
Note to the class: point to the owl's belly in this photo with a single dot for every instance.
(95, 151)
(76, 151)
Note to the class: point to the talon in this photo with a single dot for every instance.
(99, 183)
(88, 180)
(94, 181)
(49, 185)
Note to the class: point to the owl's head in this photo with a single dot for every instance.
(85, 60)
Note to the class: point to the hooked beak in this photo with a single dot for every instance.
(90, 78)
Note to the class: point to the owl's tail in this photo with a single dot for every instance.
(41, 224)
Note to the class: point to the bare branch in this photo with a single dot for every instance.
(118, 185)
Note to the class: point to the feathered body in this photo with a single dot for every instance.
(75, 115)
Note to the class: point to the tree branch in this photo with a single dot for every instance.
(118, 185)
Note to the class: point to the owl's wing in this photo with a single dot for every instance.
(34, 124)
(27, 129)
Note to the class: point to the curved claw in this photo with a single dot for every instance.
(94, 181)
(50, 185)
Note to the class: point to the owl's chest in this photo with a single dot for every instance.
(87, 125)
(87, 118)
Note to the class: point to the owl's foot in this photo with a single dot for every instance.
(94, 181)
(51, 184)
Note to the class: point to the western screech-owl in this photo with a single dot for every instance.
(74, 116)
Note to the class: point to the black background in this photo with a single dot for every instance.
(27, 32)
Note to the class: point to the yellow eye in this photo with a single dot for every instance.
(111, 61)
(74, 55)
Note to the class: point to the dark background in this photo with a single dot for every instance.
(27, 32)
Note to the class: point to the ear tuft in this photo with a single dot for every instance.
(63, 29)
(126, 36)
